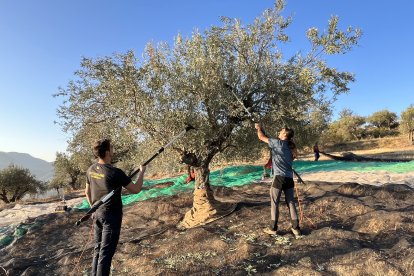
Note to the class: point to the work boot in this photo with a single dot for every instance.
(269, 231)
(296, 232)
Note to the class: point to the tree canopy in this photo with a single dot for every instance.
(348, 127)
(210, 80)
(197, 81)
(70, 170)
(383, 119)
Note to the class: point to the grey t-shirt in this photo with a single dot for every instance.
(282, 157)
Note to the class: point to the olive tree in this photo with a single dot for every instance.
(382, 123)
(69, 170)
(214, 80)
(16, 182)
(383, 119)
(348, 127)
(407, 123)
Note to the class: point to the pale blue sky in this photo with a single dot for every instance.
(42, 42)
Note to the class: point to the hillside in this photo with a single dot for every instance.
(42, 169)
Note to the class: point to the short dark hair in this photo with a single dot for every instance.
(100, 147)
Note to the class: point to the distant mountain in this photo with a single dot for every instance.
(42, 169)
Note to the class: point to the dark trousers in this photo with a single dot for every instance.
(316, 156)
(107, 229)
(275, 194)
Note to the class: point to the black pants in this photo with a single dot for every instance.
(275, 194)
(107, 229)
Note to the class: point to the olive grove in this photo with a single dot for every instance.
(210, 80)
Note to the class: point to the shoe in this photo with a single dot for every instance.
(269, 231)
(296, 233)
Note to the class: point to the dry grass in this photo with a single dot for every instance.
(375, 144)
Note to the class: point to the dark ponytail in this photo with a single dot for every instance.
(289, 135)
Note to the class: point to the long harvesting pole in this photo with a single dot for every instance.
(109, 195)
(252, 118)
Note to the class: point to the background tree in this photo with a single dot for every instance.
(198, 81)
(348, 127)
(315, 127)
(383, 119)
(407, 123)
(57, 184)
(69, 171)
(382, 123)
(16, 182)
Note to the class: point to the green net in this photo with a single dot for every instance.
(228, 177)
(246, 174)
(6, 240)
(9, 233)
(323, 166)
(20, 231)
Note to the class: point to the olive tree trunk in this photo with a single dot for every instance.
(205, 207)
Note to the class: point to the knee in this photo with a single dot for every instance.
(290, 202)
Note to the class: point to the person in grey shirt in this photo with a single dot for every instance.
(283, 152)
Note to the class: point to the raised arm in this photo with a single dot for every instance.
(260, 134)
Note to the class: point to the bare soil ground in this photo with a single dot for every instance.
(349, 229)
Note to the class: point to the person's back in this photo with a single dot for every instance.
(103, 178)
(282, 157)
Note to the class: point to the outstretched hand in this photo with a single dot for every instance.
(257, 126)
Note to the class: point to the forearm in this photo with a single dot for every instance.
(137, 186)
(88, 194)
(262, 136)
(139, 182)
